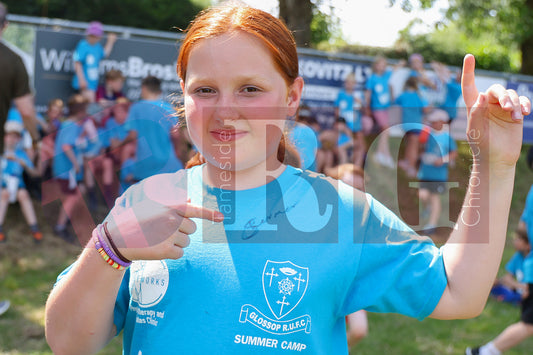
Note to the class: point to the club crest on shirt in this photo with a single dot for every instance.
(284, 285)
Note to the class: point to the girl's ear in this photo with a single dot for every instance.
(294, 95)
(182, 85)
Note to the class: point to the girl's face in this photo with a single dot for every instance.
(380, 66)
(120, 112)
(54, 112)
(349, 84)
(236, 101)
(11, 140)
(520, 245)
(115, 85)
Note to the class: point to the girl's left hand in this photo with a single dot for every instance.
(495, 120)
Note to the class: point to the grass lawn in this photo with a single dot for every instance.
(28, 271)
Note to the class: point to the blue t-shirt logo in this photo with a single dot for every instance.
(284, 284)
(149, 282)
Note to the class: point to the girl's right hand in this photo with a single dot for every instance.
(151, 230)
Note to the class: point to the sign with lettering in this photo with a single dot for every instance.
(136, 58)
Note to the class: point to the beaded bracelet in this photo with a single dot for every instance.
(112, 244)
(106, 252)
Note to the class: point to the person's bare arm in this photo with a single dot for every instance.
(26, 107)
(473, 252)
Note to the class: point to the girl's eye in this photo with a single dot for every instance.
(204, 91)
(250, 89)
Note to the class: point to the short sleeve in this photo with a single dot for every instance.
(369, 83)
(79, 53)
(423, 102)
(511, 265)
(26, 159)
(21, 85)
(338, 99)
(130, 124)
(399, 271)
(453, 145)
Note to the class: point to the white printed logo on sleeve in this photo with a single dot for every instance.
(148, 286)
(284, 286)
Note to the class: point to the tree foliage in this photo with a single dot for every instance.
(498, 23)
(158, 15)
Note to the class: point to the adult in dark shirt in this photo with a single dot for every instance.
(14, 85)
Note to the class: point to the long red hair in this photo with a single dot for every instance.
(276, 37)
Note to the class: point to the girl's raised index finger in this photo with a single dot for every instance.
(468, 81)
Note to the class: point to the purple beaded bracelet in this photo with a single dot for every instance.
(109, 256)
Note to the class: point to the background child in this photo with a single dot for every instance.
(378, 99)
(117, 149)
(68, 162)
(517, 290)
(453, 88)
(347, 107)
(511, 287)
(54, 117)
(150, 124)
(87, 56)
(345, 142)
(413, 107)
(108, 93)
(14, 162)
(439, 152)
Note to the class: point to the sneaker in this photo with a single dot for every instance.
(64, 234)
(388, 162)
(403, 164)
(37, 236)
(4, 306)
(380, 159)
(472, 351)
(3, 237)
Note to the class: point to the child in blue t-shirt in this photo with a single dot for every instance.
(511, 287)
(14, 162)
(261, 256)
(117, 148)
(453, 88)
(347, 107)
(87, 56)
(439, 152)
(150, 123)
(67, 167)
(413, 107)
(378, 99)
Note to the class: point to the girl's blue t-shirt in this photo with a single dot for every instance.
(380, 95)
(345, 102)
(153, 121)
(439, 145)
(89, 55)
(112, 130)
(527, 217)
(515, 266)
(14, 168)
(68, 134)
(412, 108)
(290, 260)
